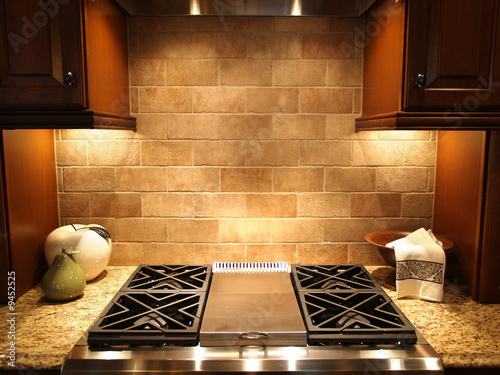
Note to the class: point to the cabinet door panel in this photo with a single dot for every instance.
(38, 44)
(452, 43)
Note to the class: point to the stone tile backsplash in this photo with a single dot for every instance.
(245, 149)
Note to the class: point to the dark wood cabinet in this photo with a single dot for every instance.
(467, 209)
(431, 64)
(64, 64)
(28, 205)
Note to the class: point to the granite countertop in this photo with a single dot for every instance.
(463, 332)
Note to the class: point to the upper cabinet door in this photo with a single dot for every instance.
(41, 63)
(450, 56)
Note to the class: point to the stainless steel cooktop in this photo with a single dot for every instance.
(253, 318)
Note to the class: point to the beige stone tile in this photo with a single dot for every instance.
(376, 204)
(326, 100)
(304, 24)
(246, 73)
(364, 253)
(219, 45)
(126, 254)
(134, 100)
(107, 223)
(350, 179)
(343, 126)
(347, 230)
(220, 205)
(245, 230)
(405, 179)
(299, 73)
(114, 153)
(273, 46)
(383, 153)
(345, 24)
(149, 126)
(247, 24)
(165, 99)
(219, 99)
(189, 126)
(208, 254)
(141, 179)
(357, 99)
(147, 72)
(398, 223)
(297, 230)
(167, 153)
(74, 204)
(246, 179)
(272, 253)
(115, 204)
(246, 127)
(71, 153)
(272, 205)
(133, 44)
(420, 153)
(417, 205)
(408, 135)
(192, 72)
(345, 72)
(279, 153)
(272, 99)
(328, 46)
(162, 253)
(299, 126)
(323, 204)
(431, 180)
(173, 23)
(220, 153)
(193, 179)
(325, 152)
(322, 253)
(60, 179)
(193, 230)
(159, 45)
(142, 230)
(299, 179)
(167, 205)
(89, 179)
(84, 134)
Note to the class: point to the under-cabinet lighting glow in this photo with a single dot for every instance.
(297, 8)
(194, 7)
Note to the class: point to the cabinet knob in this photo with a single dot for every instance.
(420, 81)
(69, 79)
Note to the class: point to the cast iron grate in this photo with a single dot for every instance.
(169, 277)
(361, 317)
(332, 277)
(149, 318)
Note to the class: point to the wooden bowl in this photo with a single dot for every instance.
(383, 237)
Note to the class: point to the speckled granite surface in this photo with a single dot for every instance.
(463, 332)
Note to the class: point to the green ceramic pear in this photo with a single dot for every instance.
(65, 279)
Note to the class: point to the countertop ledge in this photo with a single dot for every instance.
(465, 334)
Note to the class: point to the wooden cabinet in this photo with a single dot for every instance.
(64, 64)
(28, 205)
(467, 209)
(431, 64)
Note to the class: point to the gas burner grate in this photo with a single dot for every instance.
(332, 277)
(361, 317)
(149, 318)
(169, 277)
